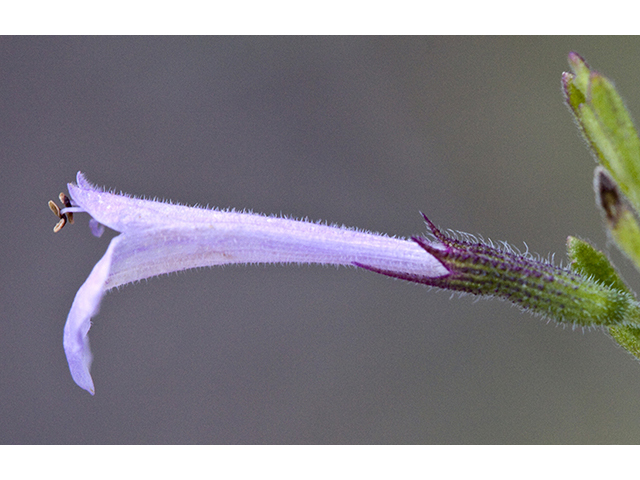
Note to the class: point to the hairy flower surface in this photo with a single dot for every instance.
(157, 238)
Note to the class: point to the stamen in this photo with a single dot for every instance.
(54, 208)
(67, 204)
(63, 217)
(61, 223)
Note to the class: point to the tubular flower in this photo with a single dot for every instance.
(157, 238)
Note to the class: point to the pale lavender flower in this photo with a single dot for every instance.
(157, 238)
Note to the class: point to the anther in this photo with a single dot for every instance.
(67, 203)
(61, 223)
(61, 216)
(54, 208)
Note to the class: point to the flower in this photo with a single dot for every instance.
(158, 237)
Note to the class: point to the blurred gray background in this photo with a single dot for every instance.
(365, 132)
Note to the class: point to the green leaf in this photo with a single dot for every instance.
(627, 337)
(582, 71)
(619, 219)
(586, 260)
(606, 125)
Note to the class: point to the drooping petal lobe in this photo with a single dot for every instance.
(85, 305)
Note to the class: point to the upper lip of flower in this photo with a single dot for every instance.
(157, 238)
